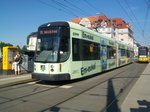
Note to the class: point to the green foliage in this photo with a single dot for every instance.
(3, 44)
(24, 49)
(21, 50)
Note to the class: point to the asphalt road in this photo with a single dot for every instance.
(102, 93)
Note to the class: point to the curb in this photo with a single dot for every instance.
(14, 81)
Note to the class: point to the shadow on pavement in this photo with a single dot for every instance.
(144, 106)
(112, 105)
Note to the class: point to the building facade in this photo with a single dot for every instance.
(115, 28)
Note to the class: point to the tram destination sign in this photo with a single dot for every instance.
(48, 31)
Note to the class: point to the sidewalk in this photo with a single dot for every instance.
(138, 100)
(7, 80)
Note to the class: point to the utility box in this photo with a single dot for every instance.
(9, 53)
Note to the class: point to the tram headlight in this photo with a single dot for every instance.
(52, 68)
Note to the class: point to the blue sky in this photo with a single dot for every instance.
(18, 18)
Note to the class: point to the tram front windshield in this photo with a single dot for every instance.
(54, 44)
(143, 52)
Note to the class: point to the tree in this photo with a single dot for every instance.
(3, 44)
(24, 49)
(19, 49)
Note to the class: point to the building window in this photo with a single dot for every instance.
(113, 21)
(119, 25)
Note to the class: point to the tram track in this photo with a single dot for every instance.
(32, 83)
(102, 82)
(14, 83)
(28, 84)
(16, 86)
(54, 106)
(27, 95)
(49, 88)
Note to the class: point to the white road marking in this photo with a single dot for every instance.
(65, 87)
(30, 83)
(50, 86)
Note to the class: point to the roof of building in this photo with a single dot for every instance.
(119, 23)
(116, 22)
(91, 18)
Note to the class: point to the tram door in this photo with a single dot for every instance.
(104, 57)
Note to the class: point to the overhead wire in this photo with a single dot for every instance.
(77, 8)
(146, 1)
(128, 15)
(93, 7)
(98, 12)
(67, 8)
(59, 9)
(146, 15)
(73, 6)
(71, 10)
(140, 27)
(47, 4)
(137, 28)
(135, 25)
(90, 5)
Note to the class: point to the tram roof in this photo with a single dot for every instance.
(56, 23)
(78, 27)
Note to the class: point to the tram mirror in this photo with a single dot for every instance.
(38, 44)
(32, 44)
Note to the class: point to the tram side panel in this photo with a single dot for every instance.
(108, 53)
(111, 55)
(85, 56)
(75, 54)
(88, 54)
(121, 54)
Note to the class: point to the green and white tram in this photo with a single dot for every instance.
(67, 51)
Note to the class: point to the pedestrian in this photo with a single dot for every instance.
(17, 64)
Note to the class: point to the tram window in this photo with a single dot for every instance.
(85, 50)
(111, 52)
(123, 52)
(64, 49)
(76, 50)
(91, 50)
(64, 44)
(128, 53)
(96, 51)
